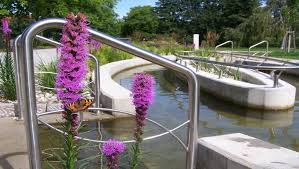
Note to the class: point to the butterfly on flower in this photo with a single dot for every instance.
(79, 105)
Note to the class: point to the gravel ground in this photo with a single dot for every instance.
(45, 102)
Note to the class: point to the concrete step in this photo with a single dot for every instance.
(239, 151)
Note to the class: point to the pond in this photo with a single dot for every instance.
(170, 109)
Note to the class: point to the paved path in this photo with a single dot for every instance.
(13, 147)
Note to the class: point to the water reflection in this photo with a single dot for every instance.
(220, 117)
(247, 117)
(216, 117)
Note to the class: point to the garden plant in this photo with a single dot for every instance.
(7, 76)
(71, 71)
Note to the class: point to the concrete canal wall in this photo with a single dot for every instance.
(113, 95)
(254, 91)
(239, 151)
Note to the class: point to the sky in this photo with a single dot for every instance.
(123, 6)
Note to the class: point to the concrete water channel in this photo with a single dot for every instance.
(170, 107)
(171, 103)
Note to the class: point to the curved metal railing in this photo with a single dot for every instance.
(25, 71)
(258, 44)
(16, 49)
(168, 131)
(224, 43)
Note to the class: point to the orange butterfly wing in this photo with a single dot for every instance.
(80, 105)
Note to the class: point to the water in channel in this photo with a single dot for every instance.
(216, 117)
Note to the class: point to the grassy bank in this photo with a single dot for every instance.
(273, 52)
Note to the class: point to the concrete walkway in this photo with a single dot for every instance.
(13, 147)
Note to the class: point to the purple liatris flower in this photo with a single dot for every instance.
(94, 44)
(143, 94)
(74, 124)
(111, 150)
(142, 90)
(5, 26)
(72, 66)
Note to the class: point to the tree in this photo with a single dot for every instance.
(18, 11)
(140, 19)
(259, 26)
(285, 13)
(210, 16)
(100, 13)
(170, 15)
(202, 16)
(236, 12)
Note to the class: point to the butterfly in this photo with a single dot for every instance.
(79, 105)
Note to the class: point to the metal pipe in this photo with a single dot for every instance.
(278, 67)
(54, 43)
(224, 43)
(276, 75)
(17, 76)
(97, 68)
(275, 79)
(28, 98)
(168, 131)
(255, 45)
(27, 74)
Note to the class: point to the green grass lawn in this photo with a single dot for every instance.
(273, 52)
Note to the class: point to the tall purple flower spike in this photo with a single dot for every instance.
(143, 96)
(111, 150)
(94, 44)
(5, 26)
(72, 66)
(143, 90)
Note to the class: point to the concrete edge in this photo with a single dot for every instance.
(113, 95)
(259, 96)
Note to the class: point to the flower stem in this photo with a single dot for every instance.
(70, 145)
(136, 153)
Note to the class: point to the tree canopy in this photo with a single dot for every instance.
(140, 19)
(100, 13)
(245, 21)
(201, 16)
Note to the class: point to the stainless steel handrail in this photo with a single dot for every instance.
(258, 44)
(54, 43)
(27, 83)
(16, 50)
(240, 55)
(168, 131)
(261, 67)
(224, 43)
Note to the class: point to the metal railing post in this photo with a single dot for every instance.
(27, 82)
(224, 43)
(275, 75)
(257, 44)
(16, 52)
(97, 81)
(28, 98)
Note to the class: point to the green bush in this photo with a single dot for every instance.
(7, 77)
(108, 54)
(163, 45)
(47, 79)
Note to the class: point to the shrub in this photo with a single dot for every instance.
(47, 79)
(107, 54)
(7, 77)
(162, 45)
